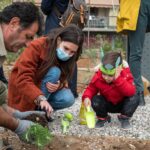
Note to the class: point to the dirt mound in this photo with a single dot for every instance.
(81, 143)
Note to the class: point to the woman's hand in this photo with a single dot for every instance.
(52, 87)
(87, 102)
(46, 107)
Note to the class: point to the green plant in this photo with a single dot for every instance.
(38, 135)
(65, 122)
(119, 43)
(69, 116)
(11, 57)
(4, 3)
(107, 46)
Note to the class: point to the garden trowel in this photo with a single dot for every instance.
(90, 117)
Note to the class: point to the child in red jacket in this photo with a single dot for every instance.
(112, 90)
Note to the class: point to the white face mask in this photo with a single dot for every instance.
(62, 55)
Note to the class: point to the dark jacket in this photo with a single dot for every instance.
(52, 20)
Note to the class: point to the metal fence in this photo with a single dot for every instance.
(101, 22)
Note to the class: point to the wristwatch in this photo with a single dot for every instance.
(40, 98)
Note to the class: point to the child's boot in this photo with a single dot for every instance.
(102, 121)
(124, 120)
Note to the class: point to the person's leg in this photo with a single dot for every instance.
(128, 108)
(3, 93)
(61, 99)
(136, 41)
(2, 76)
(73, 82)
(99, 105)
(52, 76)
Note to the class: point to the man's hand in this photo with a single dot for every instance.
(51, 87)
(21, 115)
(22, 128)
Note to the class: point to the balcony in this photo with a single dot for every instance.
(103, 24)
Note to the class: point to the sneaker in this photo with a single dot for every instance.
(125, 124)
(101, 122)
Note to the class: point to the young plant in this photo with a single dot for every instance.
(38, 135)
(64, 125)
(65, 122)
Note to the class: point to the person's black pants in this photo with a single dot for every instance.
(73, 82)
(127, 107)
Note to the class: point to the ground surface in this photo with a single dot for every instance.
(79, 137)
(82, 143)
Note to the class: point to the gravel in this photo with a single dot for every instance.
(140, 123)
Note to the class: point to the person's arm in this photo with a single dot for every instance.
(91, 89)
(7, 121)
(26, 75)
(27, 66)
(46, 6)
(125, 83)
(18, 126)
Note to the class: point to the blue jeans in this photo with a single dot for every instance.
(136, 41)
(60, 99)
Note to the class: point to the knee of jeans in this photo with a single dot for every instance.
(52, 75)
(56, 71)
(69, 100)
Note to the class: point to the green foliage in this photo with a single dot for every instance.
(11, 57)
(107, 47)
(38, 135)
(69, 116)
(64, 125)
(65, 122)
(4, 3)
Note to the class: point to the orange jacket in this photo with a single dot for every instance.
(23, 86)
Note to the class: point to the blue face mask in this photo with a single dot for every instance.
(62, 55)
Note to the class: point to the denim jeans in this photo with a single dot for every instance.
(136, 41)
(60, 99)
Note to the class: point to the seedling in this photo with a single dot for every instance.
(65, 122)
(38, 135)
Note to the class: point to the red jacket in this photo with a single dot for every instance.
(115, 92)
(23, 86)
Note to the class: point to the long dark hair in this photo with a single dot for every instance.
(70, 33)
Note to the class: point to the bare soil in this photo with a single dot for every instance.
(43, 120)
(67, 142)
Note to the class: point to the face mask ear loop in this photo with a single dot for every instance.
(117, 62)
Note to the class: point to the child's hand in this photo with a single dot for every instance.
(87, 102)
(118, 71)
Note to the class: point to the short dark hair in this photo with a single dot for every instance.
(27, 12)
(111, 58)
